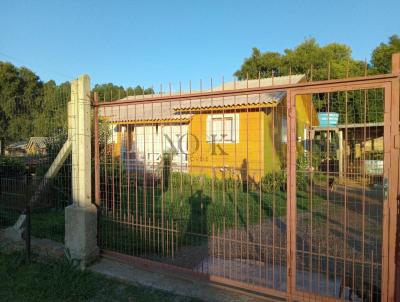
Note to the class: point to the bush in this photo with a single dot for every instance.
(302, 175)
(273, 182)
(276, 181)
(11, 167)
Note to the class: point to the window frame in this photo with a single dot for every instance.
(234, 133)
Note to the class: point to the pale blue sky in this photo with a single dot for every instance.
(149, 42)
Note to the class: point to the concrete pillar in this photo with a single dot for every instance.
(81, 216)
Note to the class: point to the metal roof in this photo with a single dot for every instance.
(17, 145)
(181, 110)
(349, 126)
(232, 101)
(39, 141)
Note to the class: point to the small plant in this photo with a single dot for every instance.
(166, 166)
(302, 175)
(273, 182)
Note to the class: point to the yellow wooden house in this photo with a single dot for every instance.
(242, 136)
(37, 145)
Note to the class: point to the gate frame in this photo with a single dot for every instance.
(391, 176)
(391, 85)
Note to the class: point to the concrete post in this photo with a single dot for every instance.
(81, 216)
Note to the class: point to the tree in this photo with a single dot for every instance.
(20, 92)
(260, 63)
(382, 55)
(330, 61)
(110, 92)
(51, 119)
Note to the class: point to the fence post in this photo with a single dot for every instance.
(81, 216)
(394, 180)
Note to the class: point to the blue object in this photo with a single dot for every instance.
(328, 119)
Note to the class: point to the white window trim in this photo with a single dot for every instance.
(236, 126)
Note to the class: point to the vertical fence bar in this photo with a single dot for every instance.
(96, 150)
(28, 232)
(291, 193)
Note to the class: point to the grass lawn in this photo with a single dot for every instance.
(193, 206)
(46, 223)
(8, 216)
(59, 281)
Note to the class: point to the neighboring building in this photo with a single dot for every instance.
(363, 152)
(36, 146)
(16, 149)
(239, 136)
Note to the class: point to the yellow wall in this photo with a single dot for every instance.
(244, 157)
(116, 148)
(274, 148)
(260, 148)
(305, 113)
(34, 150)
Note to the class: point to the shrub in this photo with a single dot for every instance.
(273, 182)
(302, 175)
(11, 167)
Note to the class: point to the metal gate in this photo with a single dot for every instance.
(280, 186)
(342, 245)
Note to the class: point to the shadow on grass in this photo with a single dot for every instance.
(150, 219)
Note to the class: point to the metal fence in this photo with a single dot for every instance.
(282, 185)
(31, 143)
(13, 192)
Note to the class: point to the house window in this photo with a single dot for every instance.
(223, 128)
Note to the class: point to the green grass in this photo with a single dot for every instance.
(202, 203)
(197, 205)
(59, 281)
(48, 223)
(8, 217)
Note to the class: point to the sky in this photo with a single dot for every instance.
(147, 43)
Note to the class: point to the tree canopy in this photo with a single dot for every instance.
(29, 107)
(51, 118)
(382, 55)
(111, 92)
(20, 97)
(333, 60)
